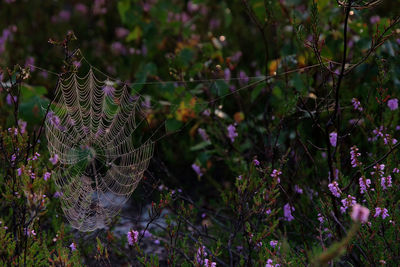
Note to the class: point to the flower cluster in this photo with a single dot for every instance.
(203, 134)
(359, 213)
(381, 212)
(333, 139)
(364, 184)
(354, 155)
(348, 202)
(386, 182)
(232, 134)
(287, 212)
(393, 104)
(276, 175)
(132, 237)
(197, 169)
(270, 263)
(356, 104)
(54, 159)
(334, 188)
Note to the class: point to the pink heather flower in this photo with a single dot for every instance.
(13, 157)
(374, 19)
(206, 113)
(333, 138)
(385, 213)
(57, 194)
(28, 232)
(386, 182)
(35, 157)
(77, 64)
(146, 233)
(201, 254)
(393, 104)
(121, 32)
(364, 184)
(276, 174)
(203, 134)
(54, 159)
(334, 188)
(389, 139)
(356, 104)
(64, 15)
(53, 119)
(378, 132)
(227, 74)
(209, 263)
(22, 126)
(270, 263)
(132, 237)
(359, 213)
(298, 190)
(19, 171)
(108, 88)
(350, 201)
(197, 169)
(46, 176)
(273, 243)
(320, 218)
(30, 61)
(243, 78)
(381, 212)
(192, 7)
(9, 99)
(354, 155)
(396, 170)
(287, 212)
(72, 246)
(256, 162)
(81, 8)
(232, 134)
(99, 7)
(379, 168)
(117, 48)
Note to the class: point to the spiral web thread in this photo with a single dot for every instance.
(90, 128)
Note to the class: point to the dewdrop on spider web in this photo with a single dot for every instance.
(90, 128)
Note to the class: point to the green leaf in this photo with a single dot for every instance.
(185, 57)
(172, 125)
(34, 109)
(220, 88)
(200, 146)
(123, 8)
(135, 34)
(256, 91)
(28, 91)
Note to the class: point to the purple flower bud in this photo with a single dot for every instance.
(393, 104)
(197, 169)
(232, 134)
(54, 159)
(333, 138)
(203, 134)
(72, 246)
(46, 176)
(287, 212)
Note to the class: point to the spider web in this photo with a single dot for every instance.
(90, 128)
